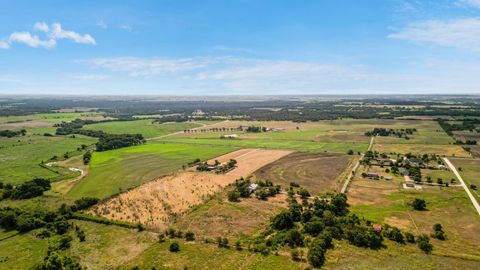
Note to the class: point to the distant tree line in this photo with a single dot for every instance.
(391, 132)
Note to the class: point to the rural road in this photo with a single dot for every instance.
(354, 169)
(472, 198)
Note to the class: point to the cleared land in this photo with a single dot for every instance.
(119, 170)
(316, 172)
(470, 173)
(155, 203)
(145, 127)
(20, 157)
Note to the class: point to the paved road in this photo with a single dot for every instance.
(470, 195)
(354, 169)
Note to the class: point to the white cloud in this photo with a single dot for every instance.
(471, 3)
(102, 24)
(126, 27)
(459, 33)
(41, 26)
(58, 33)
(89, 77)
(32, 41)
(235, 75)
(4, 45)
(52, 34)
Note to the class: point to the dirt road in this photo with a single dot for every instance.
(350, 176)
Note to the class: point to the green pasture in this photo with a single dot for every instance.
(144, 127)
(118, 170)
(20, 156)
(50, 117)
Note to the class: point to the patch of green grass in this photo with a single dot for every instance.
(206, 256)
(470, 173)
(20, 156)
(144, 127)
(22, 251)
(271, 144)
(118, 170)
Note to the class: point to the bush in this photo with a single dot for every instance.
(316, 254)
(174, 247)
(283, 221)
(233, 196)
(189, 236)
(419, 204)
(409, 237)
(423, 242)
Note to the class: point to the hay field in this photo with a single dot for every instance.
(155, 203)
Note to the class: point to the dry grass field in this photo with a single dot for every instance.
(442, 150)
(220, 217)
(155, 203)
(316, 172)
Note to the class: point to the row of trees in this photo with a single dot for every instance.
(29, 189)
(391, 132)
(11, 133)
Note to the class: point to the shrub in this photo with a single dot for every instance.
(233, 196)
(174, 247)
(189, 236)
(283, 221)
(419, 204)
(316, 254)
(423, 242)
(410, 237)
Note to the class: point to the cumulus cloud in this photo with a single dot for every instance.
(41, 26)
(51, 35)
(31, 40)
(4, 45)
(58, 33)
(459, 33)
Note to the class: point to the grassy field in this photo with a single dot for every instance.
(316, 172)
(117, 170)
(144, 127)
(386, 201)
(21, 251)
(271, 144)
(20, 156)
(470, 173)
(442, 150)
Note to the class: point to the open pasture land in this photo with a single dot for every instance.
(386, 201)
(144, 127)
(316, 172)
(336, 136)
(420, 149)
(155, 203)
(219, 217)
(42, 118)
(20, 157)
(119, 170)
(470, 173)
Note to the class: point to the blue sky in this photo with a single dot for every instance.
(267, 47)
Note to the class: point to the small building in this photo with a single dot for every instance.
(414, 160)
(252, 187)
(388, 178)
(230, 136)
(404, 171)
(441, 167)
(374, 176)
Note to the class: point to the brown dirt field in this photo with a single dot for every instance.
(154, 204)
(315, 172)
(219, 217)
(26, 124)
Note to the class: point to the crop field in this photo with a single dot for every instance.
(21, 156)
(119, 170)
(220, 218)
(316, 172)
(144, 127)
(386, 201)
(154, 203)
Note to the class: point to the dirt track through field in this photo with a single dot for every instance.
(156, 203)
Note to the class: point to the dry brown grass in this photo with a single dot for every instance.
(154, 204)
